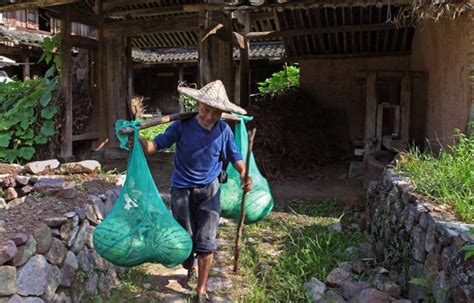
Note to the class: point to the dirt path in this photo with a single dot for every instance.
(169, 285)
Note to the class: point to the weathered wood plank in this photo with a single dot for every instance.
(159, 25)
(66, 84)
(370, 113)
(405, 105)
(84, 42)
(86, 136)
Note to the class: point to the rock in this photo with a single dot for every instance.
(84, 260)
(10, 194)
(98, 213)
(358, 266)
(22, 180)
(315, 288)
(113, 194)
(20, 238)
(3, 204)
(90, 214)
(89, 236)
(415, 291)
(337, 276)
(66, 230)
(25, 190)
(392, 288)
(62, 297)
(81, 237)
(70, 214)
(54, 278)
(418, 244)
(41, 167)
(353, 288)
(333, 296)
(335, 228)
(58, 187)
(19, 299)
(108, 205)
(146, 285)
(218, 283)
(366, 250)
(7, 181)
(83, 167)
(81, 213)
(8, 281)
(91, 284)
(15, 202)
(34, 179)
(57, 252)
(98, 206)
(43, 238)
(55, 221)
(75, 230)
(371, 295)
(120, 180)
(8, 251)
(33, 277)
(68, 270)
(25, 252)
(402, 301)
(98, 262)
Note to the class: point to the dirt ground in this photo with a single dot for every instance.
(328, 183)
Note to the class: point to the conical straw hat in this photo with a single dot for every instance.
(213, 94)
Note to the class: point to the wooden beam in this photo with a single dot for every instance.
(100, 70)
(86, 136)
(354, 55)
(66, 84)
(33, 4)
(159, 25)
(26, 68)
(321, 30)
(84, 42)
(370, 114)
(405, 106)
(78, 17)
(242, 87)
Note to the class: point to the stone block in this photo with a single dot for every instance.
(8, 281)
(41, 167)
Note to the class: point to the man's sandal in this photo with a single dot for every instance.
(202, 298)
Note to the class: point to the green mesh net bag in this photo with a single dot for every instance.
(140, 228)
(259, 201)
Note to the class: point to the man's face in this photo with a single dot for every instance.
(209, 114)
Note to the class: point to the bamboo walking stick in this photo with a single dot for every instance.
(242, 205)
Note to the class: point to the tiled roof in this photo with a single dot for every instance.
(16, 36)
(261, 50)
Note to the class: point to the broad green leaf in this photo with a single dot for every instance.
(11, 155)
(5, 139)
(50, 72)
(26, 152)
(45, 98)
(27, 134)
(49, 112)
(48, 128)
(41, 139)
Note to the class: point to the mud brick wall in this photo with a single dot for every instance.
(422, 241)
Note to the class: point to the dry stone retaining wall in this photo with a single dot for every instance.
(423, 239)
(56, 262)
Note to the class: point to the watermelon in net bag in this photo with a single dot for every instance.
(259, 201)
(140, 228)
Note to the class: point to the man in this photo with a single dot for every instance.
(202, 144)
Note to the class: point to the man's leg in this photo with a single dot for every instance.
(207, 214)
(204, 265)
(181, 212)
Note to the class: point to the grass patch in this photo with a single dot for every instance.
(131, 286)
(293, 245)
(447, 178)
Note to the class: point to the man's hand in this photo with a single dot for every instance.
(149, 146)
(246, 183)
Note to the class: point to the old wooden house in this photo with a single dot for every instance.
(398, 69)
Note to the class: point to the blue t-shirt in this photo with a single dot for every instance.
(199, 152)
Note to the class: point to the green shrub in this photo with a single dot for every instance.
(188, 104)
(151, 132)
(27, 109)
(447, 178)
(280, 81)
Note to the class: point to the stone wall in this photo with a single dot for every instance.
(55, 261)
(422, 241)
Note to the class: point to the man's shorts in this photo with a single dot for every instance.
(198, 210)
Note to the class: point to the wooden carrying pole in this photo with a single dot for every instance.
(172, 117)
(242, 205)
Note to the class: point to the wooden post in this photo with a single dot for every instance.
(405, 105)
(66, 83)
(215, 50)
(26, 68)
(101, 113)
(370, 113)
(242, 89)
(180, 80)
(115, 83)
(129, 73)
